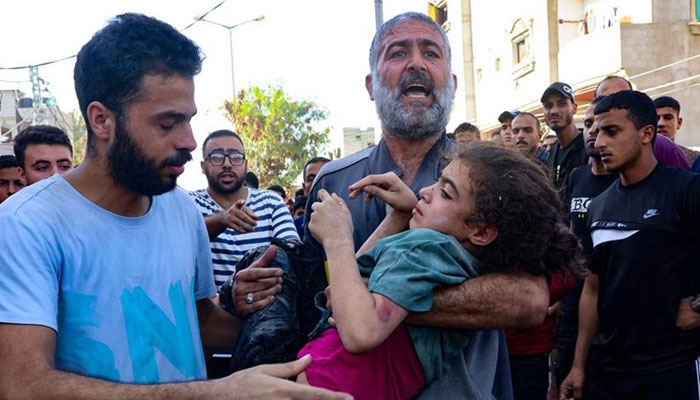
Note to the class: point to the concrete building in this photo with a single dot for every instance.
(17, 112)
(506, 53)
(356, 139)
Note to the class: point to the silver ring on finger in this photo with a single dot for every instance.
(249, 299)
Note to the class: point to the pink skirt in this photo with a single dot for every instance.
(389, 371)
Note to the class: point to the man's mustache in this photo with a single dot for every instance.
(181, 158)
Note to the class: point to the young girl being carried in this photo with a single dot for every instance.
(492, 209)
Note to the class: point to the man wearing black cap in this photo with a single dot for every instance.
(505, 119)
(569, 152)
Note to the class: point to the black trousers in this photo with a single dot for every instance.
(679, 383)
(530, 376)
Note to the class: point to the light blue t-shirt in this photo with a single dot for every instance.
(119, 291)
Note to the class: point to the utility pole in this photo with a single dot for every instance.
(378, 13)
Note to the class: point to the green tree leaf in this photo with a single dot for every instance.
(279, 133)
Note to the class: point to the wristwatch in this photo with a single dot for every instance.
(695, 303)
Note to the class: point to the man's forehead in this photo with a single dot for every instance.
(43, 150)
(412, 30)
(9, 173)
(665, 110)
(223, 142)
(523, 120)
(554, 97)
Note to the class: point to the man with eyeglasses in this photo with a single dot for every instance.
(238, 218)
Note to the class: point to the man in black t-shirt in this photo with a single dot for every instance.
(639, 312)
(569, 152)
(585, 183)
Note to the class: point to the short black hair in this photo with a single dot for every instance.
(8, 161)
(279, 189)
(300, 202)
(252, 180)
(466, 126)
(220, 133)
(668, 101)
(640, 109)
(39, 134)
(111, 66)
(314, 161)
(529, 114)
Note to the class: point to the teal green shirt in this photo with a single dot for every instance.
(406, 268)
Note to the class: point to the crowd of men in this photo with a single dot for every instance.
(106, 263)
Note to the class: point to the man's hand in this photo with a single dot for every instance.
(687, 318)
(268, 382)
(388, 187)
(572, 386)
(260, 281)
(239, 217)
(331, 220)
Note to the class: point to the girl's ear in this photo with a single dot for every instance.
(481, 233)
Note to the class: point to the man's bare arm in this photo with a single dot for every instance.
(218, 328)
(497, 300)
(27, 372)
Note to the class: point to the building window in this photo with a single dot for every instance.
(521, 41)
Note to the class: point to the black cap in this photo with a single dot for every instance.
(561, 88)
(507, 116)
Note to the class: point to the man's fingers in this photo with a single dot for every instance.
(258, 286)
(323, 194)
(239, 204)
(266, 259)
(285, 370)
(250, 275)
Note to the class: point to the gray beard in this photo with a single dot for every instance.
(412, 125)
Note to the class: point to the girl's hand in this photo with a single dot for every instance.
(331, 221)
(387, 187)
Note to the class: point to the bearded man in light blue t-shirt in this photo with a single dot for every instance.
(105, 272)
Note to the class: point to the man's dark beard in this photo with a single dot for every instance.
(218, 188)
(133, 170)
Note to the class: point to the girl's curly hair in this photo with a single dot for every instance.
(514, 194)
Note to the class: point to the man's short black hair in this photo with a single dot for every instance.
(668, 101)
(251, 180)
(8, 161)
(220, 133)
(314, 161)
(111, 66)
(468, 127)
(640, 109)
(279, 189)
(39, 134)
(300, 202)
(531, 115)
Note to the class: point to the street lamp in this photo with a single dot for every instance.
(230, 40)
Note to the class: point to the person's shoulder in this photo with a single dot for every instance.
(580, 172)
(353, 160)
(38, 197)
(675, 176)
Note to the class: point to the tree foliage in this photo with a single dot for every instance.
(279, 133)
(79, 136)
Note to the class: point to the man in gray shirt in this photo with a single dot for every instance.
(413, 87)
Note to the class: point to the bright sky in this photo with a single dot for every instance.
(316, 49)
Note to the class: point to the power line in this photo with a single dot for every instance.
(75, 55)
(198, 19)
(38, 65)
(665, 66)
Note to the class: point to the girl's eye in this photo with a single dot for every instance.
(444, 194)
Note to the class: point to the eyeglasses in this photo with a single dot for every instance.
(219, 158)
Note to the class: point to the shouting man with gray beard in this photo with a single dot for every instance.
(413, 87)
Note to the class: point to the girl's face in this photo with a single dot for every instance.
(445, 205)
